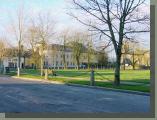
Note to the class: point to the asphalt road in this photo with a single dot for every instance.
(18, 95)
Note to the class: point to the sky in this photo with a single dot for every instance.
(58, 8)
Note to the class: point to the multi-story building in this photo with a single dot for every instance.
(57, 57)
(10, 59)
(12, 62)
(139, 59)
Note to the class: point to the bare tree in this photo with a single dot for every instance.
(31, 42)
(137, 55)
(19, 28)
(146, 58)
(102, 58)
(115, 19)
(65, 38)
(77, 47)
(88, 41)
(133, 51)
(45, 30)
(125, 51)
(2, 48)
(2, 52)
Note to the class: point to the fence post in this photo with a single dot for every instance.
(46, 74)
(92, 79)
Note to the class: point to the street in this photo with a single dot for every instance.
(17, 95)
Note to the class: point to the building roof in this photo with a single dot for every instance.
(59, 47)
(66, 48)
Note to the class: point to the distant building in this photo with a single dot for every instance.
(141, 59)
(12, 62)
(55, 57)
(10, 59)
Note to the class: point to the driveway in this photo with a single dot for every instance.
(17, 95)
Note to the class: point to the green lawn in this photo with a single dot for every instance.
(83, 76)
(142, 76)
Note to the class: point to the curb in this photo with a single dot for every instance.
(4, 75)
(39, 80)
(87, 86)
(110, 89)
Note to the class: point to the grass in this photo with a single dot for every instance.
(82, 77)
(140, 88)
(140, 76)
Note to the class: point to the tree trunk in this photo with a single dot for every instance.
(34, 60)
(41, 66)
(19, 59)
(65, 66)
(133, 66)
(88, 61)
(124, 61)
(36, 64)
(117, 71)
(24, 62)
(64, 61)
(133, 61)
(64, 49)
(78, 63)
(88, 64)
